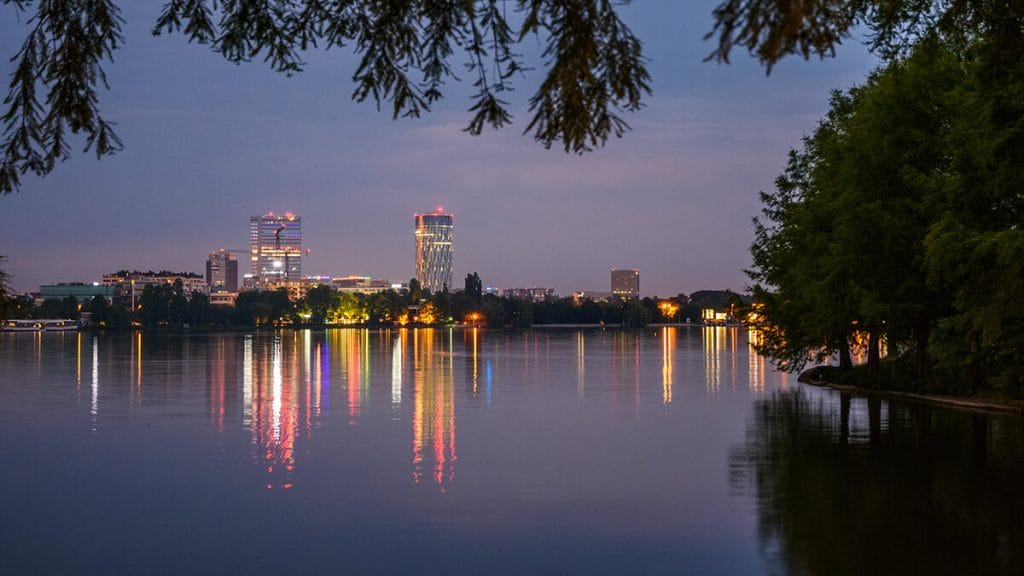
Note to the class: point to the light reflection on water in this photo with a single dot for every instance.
(663, 450)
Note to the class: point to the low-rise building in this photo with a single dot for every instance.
(580, 296)
(534, 294)
(80, 290)
(362, 284)
(222, 298)
(191, 281)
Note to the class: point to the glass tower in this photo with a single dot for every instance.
(275, 244)
(222, 271)
(434, 250)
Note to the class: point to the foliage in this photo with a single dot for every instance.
(635, 315)
(415, 290)
(264, 307)
(320, 300)
(7, 303)
(772, 29)
(102, 314)
(900, 219)
(494, 313)
(57, 308)
(594, 66)
(474, 287)
(595, 69)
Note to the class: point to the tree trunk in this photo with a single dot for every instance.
(874, 355)
(922, 364)
(977, 363)
(845, 361)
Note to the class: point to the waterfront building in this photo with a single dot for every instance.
(128, 286)
(434, 248)
(626, 283)
(580, 296)
(362, 284)
(222, 271)
(81, 291)
(223, 298)
(533, 294)
(125, 280)
(275, 247)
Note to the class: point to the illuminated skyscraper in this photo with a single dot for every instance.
(275, 244)
(434, 250)
(626, 283)
(222, 271)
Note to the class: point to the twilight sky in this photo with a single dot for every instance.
(209, 143)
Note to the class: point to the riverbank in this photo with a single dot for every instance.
(815, 377)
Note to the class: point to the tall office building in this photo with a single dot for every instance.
(275, 245)
(222, 271)
(626, 283)
(434, 250)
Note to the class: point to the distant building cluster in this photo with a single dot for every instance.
(275, 262)
(124, 287)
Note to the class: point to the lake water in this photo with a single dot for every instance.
(671, 450)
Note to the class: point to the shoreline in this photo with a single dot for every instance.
(984, 405)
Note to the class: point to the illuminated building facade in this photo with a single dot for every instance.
(580, 296)
(135, 281)
(626, 283)
(434, 250)
(222, 271)
(532, 294)
(275, 244)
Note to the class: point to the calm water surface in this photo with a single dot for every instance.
(473, 452)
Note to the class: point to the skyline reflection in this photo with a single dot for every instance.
(433, 421)
(668, 346)
(277, 386)
(506, 451)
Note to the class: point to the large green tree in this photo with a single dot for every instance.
(975, 250)
(839, 247)
(407, 51)
(900, 219)
(803, 305)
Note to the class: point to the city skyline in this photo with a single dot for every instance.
(674, 197)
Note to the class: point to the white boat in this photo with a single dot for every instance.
(40, 325)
